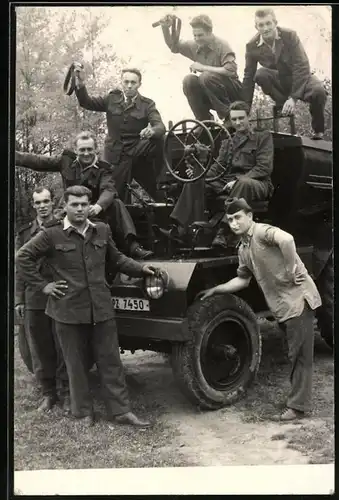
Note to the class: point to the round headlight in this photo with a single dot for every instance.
(156, 284)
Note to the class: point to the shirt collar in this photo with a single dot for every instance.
(262, 41)
(245, 240)
(68, 225)
(133, 99)
(210, 45)
(93, 164)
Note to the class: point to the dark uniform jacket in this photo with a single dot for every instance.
(97, 178)
(24, 293)
(290, 60)
(251, 156)
(81, 263)
(124, 123)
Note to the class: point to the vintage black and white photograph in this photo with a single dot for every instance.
(173, 260)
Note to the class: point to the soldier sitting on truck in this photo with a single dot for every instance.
(250, 154)
(83, 167)
(135, 131)
(285, 74)
(269, 254)
(217, 84)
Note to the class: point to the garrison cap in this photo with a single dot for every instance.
(236, 204)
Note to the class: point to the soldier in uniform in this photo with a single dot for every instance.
(217, 84)
(249, 158)
(47, 360)
(83, 167)
(135, 131)
(285, 73)
(80, 302)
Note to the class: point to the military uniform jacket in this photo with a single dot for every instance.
(24, 293)
(80, 261)
(251, 155)
(290, 60)
(97, 178)
(124, 123)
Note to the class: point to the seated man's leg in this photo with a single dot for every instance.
(315, 94)
(123, 230)
(197, 97)
(268, 80)
(190, 205)
(220, 91)
(251, 189)
(147, 164)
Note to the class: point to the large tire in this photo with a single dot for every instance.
(216, 367)
(24, 349)
(324, 314)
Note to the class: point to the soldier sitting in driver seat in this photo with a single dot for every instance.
(248, 176)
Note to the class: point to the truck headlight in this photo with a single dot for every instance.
(155, 285)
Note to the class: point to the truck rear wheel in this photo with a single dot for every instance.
(217, 366)
(324, 314)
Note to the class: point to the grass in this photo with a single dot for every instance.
(53, 441)
(315, 437)
(43, 441)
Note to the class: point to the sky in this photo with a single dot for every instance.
(131, 34)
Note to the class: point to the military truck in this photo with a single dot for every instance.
(214, 345)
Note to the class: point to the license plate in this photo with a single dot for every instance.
(130, 304)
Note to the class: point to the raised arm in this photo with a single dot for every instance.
(40, 163)
(88, 102)
(91, 103)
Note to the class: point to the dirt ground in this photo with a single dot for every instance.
(241, 434)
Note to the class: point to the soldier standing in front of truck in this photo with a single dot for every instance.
(269, 254)
(80, 303)
(47, 361)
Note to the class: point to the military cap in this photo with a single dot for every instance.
(236, 204)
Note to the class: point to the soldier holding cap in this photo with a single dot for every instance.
(217, 83)
(269, 254)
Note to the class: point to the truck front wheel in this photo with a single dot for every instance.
(221, 360)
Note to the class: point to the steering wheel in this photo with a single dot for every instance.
(219, 137)
(196, 154)
(200, 134)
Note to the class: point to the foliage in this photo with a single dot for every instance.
(46, 118)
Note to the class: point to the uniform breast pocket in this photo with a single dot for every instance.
(99, 248)
(66, 253)
(248, 156)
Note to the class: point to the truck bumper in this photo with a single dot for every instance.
(175, 330)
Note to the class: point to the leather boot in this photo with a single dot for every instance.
(220, 239)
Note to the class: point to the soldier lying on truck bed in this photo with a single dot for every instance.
(249, 175)
(84, 167)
